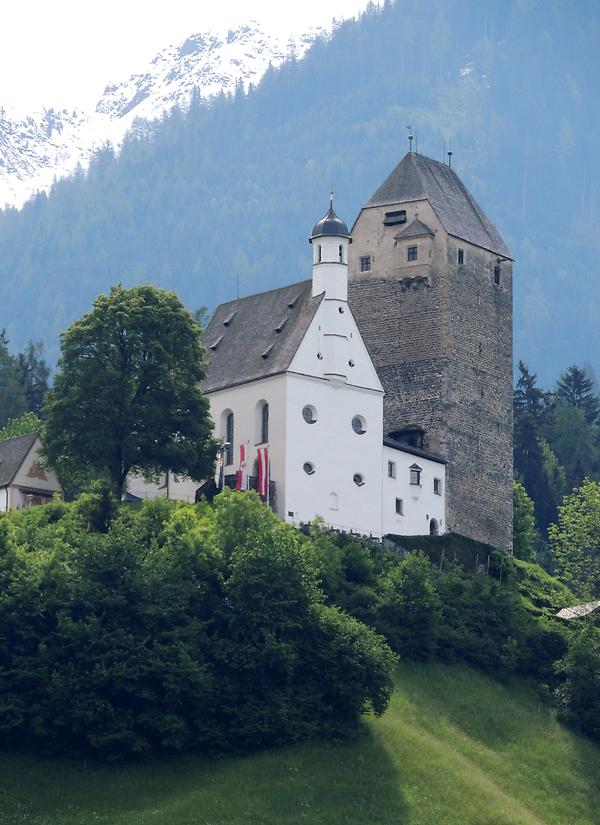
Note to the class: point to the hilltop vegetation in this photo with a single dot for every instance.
(454, 748)
(177, 627)
(232, 188)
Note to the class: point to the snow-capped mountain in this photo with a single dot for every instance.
(39, 147)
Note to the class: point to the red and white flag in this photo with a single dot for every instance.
(241, 476)
(263, 472)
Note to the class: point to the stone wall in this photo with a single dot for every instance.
(442, 345)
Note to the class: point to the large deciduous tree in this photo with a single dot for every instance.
(127, 397)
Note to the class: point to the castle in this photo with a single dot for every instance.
(378, 394)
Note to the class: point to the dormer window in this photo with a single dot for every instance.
(365, 263)
(411, 253)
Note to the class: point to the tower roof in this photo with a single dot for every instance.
(330, 224)
(418, 177)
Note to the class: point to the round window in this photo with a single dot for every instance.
(309, 468)
(358, 479)
(359, 425)
(309, 414)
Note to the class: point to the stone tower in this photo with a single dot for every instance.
(431, 290)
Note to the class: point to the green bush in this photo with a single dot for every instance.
(169, 628)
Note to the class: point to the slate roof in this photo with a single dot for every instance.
(13, 453)
(421, 178)
(257, 336)
(414, 230)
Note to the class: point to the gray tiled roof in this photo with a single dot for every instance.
(421, 178)
(414, 230)
(257, 336)
(13, 453)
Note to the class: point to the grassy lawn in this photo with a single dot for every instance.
(455, 748)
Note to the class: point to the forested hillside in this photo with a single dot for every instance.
(232, 188)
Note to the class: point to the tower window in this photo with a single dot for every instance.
(365, 263)
(415, 475)
(320, 253)
(437, 486)
(461, 257)
(391, 469)
(399, 507)
(341, 253)
(497, 274)
(411, 253)
(393, 218)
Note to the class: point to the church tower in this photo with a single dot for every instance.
(431, 290)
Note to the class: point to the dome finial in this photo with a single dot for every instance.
(331, 196)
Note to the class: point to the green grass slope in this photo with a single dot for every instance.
(455, 748)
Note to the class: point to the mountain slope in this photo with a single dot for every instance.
(38, 147)
(232, 188)
(454, 748)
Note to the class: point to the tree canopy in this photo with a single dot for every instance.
(126, 397)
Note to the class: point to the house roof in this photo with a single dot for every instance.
(414, 230)
(417, 177)
(13, 453)
(257, 336)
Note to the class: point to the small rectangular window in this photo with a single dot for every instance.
(411, 253)
(497, 274)
(391, 469)
(393, 218)
(365, 263)
(437, 486)
(399, 507)
(461, 257)
(415, 475)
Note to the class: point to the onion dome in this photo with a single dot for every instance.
(330, 225)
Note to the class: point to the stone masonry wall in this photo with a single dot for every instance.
(442, 345)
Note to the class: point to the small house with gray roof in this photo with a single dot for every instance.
(23, 480)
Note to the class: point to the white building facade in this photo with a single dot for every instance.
(289, 372)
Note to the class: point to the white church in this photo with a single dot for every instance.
(298, 405)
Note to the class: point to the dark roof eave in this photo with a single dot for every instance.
(407, 448)
(207, 391)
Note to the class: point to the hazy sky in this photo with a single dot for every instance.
(63, 52)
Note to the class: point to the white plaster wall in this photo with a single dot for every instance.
(345, 345)
(242, 401)
(337, 453)
(181, 488)
(421, 504)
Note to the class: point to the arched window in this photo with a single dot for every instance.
(434, 528)
(264, 423)
(229, 438)
(333, 501)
